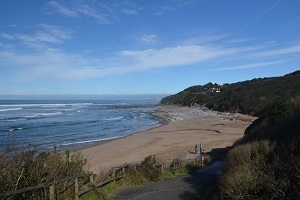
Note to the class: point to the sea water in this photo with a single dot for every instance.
(69, 124)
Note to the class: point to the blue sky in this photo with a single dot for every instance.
(95, 47)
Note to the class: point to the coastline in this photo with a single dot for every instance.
(183, 128)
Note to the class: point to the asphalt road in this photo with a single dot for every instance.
(186, 186)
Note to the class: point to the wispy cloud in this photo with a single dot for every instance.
(241, 40)
(274, 4)
(48, 60)
(110, 12)
(130, 11)
(253, 65)
(148, 39)
(206, 39)
(175, 56)
(279, 52)
(91, 12)
(174, 5)
(57, 64)
(47, 35)
(6, 36)
(61, 9)
(128, 7)
(102, 12)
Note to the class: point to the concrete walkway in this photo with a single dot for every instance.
(187, 186)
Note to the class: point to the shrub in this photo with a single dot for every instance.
(23, 168)
(262, 170)
(280, 121)
(280, 110)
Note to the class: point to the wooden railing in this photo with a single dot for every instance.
(114, 174)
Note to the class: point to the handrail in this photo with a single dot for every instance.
(43, 185)
(103, 181)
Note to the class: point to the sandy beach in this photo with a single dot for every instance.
(186, 127)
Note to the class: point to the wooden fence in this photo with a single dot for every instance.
(114, 174)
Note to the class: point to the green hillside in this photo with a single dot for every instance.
(248, 97)
(192, 95)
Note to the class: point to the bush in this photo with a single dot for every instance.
(262, 170)
(280, 110)
(23, 168)
(279, 121)
(246, 175)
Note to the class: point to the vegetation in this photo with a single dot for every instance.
(247, 97)
(265, 164)
(192, 95)
(24, 168)
(146, 172)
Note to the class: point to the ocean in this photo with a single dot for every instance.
(70, 124)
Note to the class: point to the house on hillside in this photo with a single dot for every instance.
(214, 90)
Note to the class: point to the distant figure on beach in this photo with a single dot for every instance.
(196, 149)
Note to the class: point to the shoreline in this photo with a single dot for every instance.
(184, 127)
(162, 122)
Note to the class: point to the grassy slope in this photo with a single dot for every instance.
(265, 164)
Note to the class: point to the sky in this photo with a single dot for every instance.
(95, 47)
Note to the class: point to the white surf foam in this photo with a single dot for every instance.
(113, 118)
(45, 105)
(12, 129)
(87, 141)
(10, 109)
(43, 114)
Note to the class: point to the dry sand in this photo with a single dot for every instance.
(177, 139)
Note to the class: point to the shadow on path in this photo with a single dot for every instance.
(183, 187)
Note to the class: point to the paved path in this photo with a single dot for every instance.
(181, 187)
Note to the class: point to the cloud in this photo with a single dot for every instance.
(47, 61)
(6, 36)
(174, 5)
(242, 40)
(254, 65)
(104, 12)
(148, 39)
(256, 19)
(175, 56)
(54, 63)
(91, 12)
(59, 8)
(206, 39)
(47, 35)
(101, 12)
(129, 7)
(279, 52)
(130, 11)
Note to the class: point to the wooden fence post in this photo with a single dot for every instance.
(123, 170)
(52, 192)
(76, 189)
(174, 165)
(114, 173)
(162, 169)
(92, 178)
